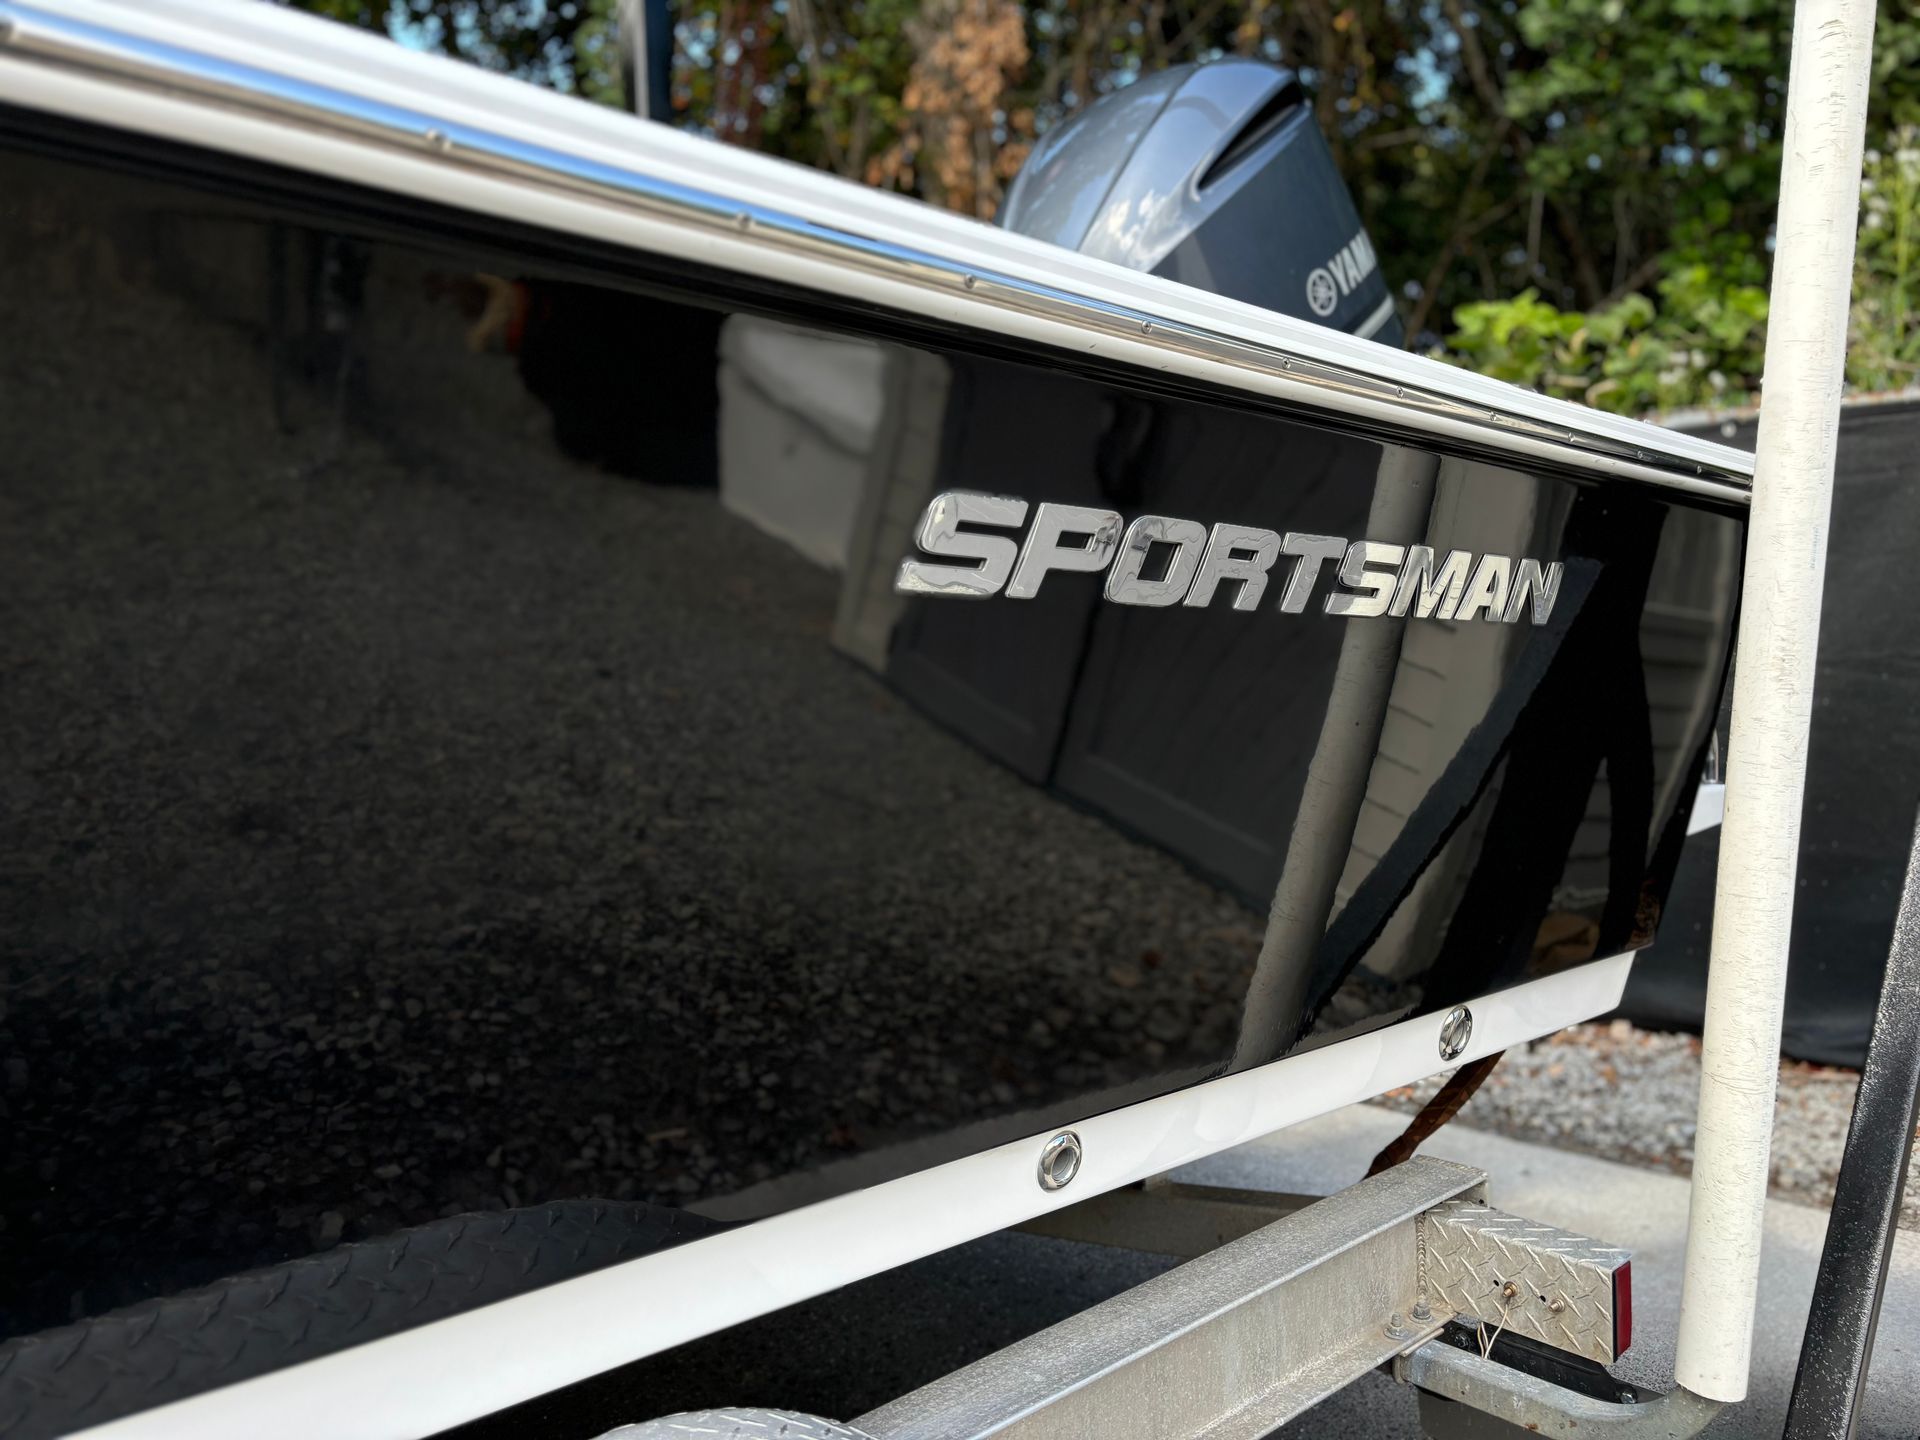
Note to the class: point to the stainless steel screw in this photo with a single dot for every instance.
(1455, 1031)
(1060, 1161)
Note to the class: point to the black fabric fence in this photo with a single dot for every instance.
(1863, 775)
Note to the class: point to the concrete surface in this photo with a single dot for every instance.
(848, 1352)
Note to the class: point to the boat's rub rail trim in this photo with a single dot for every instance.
(530, 1344)
(176, 71)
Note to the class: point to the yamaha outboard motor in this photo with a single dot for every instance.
(1216, 176)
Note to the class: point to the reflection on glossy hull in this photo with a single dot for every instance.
(468, 748)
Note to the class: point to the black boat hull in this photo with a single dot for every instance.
(468, 750)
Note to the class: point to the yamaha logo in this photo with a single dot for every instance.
(1343, 273)
(1322, 293)
(1161, 560)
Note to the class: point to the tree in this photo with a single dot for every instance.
(565, 44)
(1580, 192)
(1652, 132)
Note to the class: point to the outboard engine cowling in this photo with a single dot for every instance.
(1216, 176)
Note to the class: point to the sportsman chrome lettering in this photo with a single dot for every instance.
(1161, 560)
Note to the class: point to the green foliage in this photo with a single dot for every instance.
(1656, 129)
(1657, 124)
(1701, 344)
(565, 44)
(817, 81)
(1883, 350)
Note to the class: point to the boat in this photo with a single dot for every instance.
(606, 734)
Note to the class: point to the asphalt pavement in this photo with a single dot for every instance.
(846, 1353)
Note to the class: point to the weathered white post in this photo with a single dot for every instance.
(1827, 84)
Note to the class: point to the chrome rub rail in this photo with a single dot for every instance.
(30, 33)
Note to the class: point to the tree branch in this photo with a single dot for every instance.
(1462, 231)
(1635, 278)
(1586, 277)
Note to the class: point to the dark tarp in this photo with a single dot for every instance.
(1863, 769)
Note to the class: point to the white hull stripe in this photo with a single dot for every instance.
(425, 1380)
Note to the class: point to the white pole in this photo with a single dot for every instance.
(636, 70)
(1773, 688)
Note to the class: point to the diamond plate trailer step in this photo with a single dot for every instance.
(1530, 1279)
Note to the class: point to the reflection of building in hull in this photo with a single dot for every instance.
(1447, 676)
(798, 414)
(1064, 689)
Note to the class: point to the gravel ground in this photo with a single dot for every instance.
(1628, 1094)
(435, 824)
